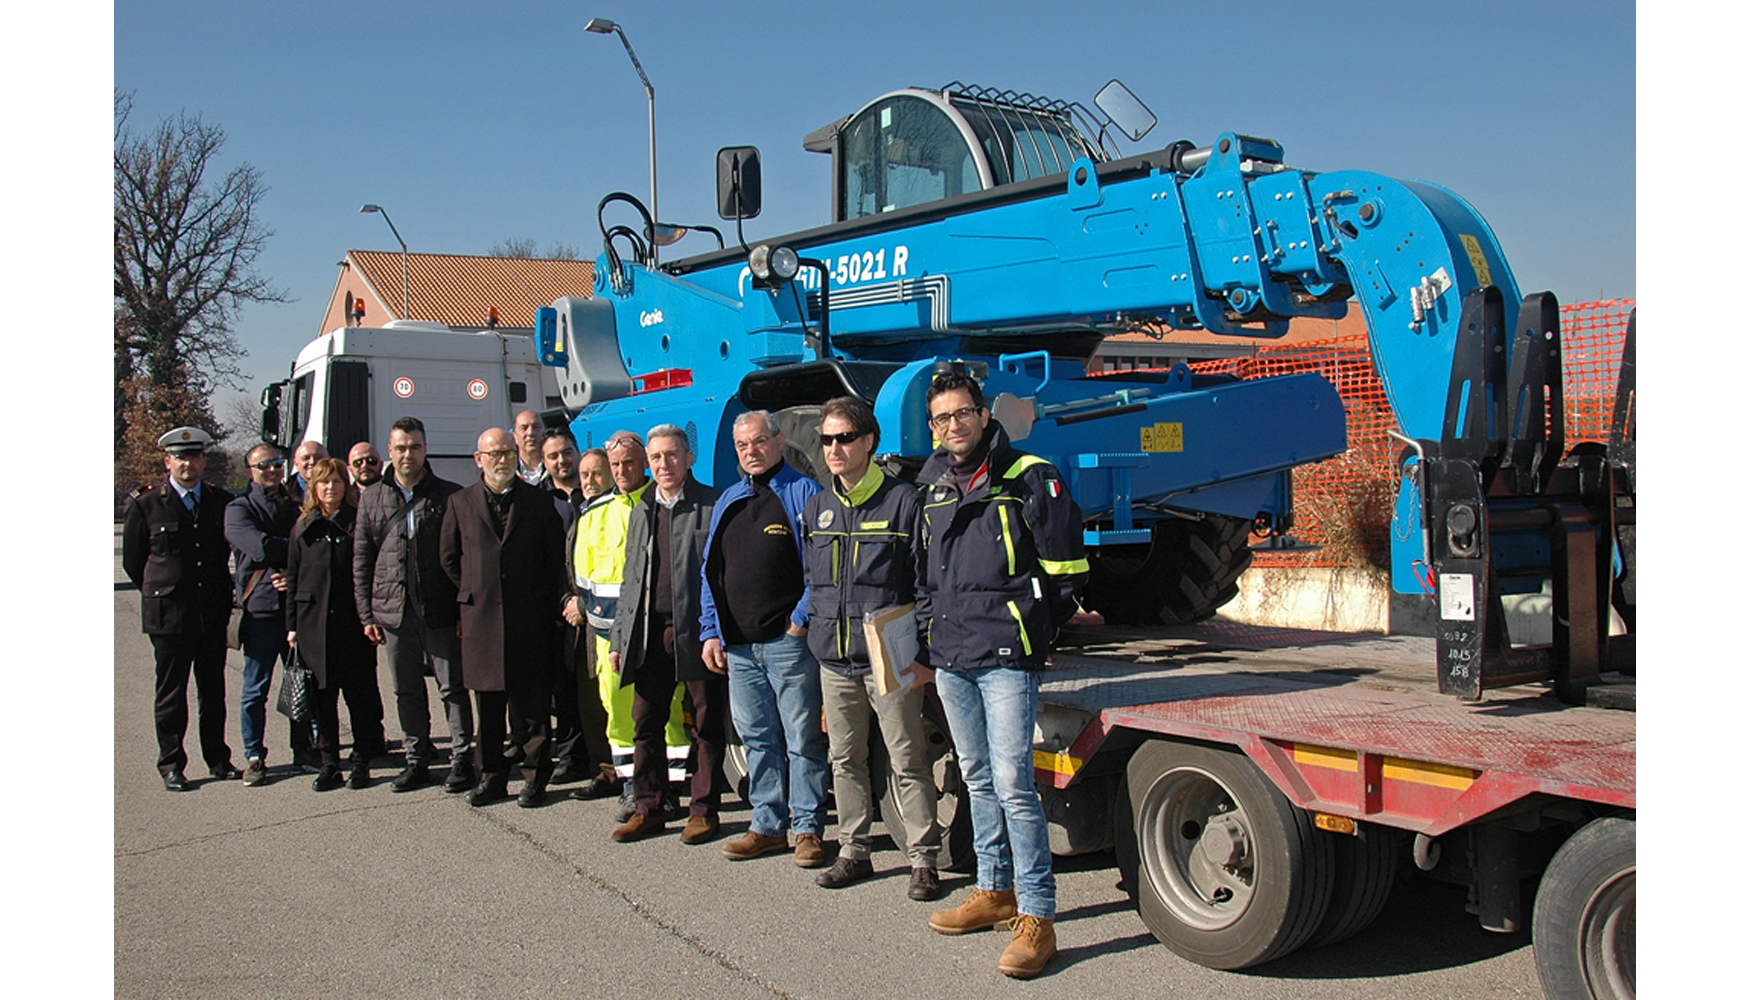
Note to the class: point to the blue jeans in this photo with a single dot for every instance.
(774, 700)
(264, 644)
(990, 715)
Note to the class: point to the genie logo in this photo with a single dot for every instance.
(650, 318)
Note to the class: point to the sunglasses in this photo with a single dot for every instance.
(272, 463)
(841, 439)
(359, 463)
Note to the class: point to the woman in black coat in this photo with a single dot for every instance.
(323, 625)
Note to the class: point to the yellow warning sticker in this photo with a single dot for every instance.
(1164, 437)
(1478, 262)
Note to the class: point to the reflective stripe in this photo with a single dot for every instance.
(611, 591)
(1026, 643)
(1063, 567)
(1022, 464)
(1008, 541)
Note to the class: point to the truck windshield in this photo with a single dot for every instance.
(901, 152)
(1021, 143)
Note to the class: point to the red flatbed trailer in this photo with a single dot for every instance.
(1349, 742)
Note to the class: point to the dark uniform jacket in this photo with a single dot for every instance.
(320, 605)
(1005, 560)
(509, 590)
(630, 636)
(864, 553)
(387, 566)
(179, 560)
(258, 525)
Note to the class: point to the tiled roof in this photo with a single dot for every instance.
(457, 289)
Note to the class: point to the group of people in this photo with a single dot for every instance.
(608, 612)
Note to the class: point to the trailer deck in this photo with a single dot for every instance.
(1345, 724)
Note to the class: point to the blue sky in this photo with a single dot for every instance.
(473, 123)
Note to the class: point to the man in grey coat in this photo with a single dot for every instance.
(654, 643)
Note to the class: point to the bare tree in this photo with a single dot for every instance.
(525, 248)
(185, 249)
(512, 248)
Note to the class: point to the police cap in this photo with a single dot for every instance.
(185, 441)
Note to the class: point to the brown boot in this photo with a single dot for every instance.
(753, 845)
(699, 829)
(982, 909)
(1034, 943)
(810, 853)
(641, 825)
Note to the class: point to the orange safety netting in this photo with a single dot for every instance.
(1344, 504)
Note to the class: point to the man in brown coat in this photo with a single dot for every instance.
(502, 544)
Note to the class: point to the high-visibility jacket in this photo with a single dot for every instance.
(598, 556)
(1004, 560)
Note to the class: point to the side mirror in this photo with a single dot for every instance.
(270, 412)
(1132, 117)
(738, 182)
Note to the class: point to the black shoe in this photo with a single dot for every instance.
(328, 778)
(567, 772)
(925, 885)
(255, 773)
(596, 788)
(307, 761)
(844, 872)
(461, 779)
(490, 790)
(414, 776)
(533, 794)
(225, 772)
(175, 781)
(624, 810)
(360, 776)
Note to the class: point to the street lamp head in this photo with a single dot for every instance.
(370, 208)
(601, 26)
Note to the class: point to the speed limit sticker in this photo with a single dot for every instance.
(404, 387)
(477, 389)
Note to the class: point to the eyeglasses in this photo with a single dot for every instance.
(359, 463)
(272, 463)
(960, 416)
(759, 442)
(499, 456)
(841, 439)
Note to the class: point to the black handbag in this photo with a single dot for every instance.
(295, 687)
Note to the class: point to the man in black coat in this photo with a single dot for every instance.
(173, 549)
(654, 643)
(502, 546)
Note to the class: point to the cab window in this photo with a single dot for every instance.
(902, 152)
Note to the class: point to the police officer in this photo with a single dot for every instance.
(1005, 565)
(173, 549)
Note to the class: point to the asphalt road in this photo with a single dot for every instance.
(279, 891)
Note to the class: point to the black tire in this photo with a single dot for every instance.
(952, 810)
(1230, 873)
(1187, 571)
(734, 760)
(802, 451)
(1583, 924)
(1361, 881)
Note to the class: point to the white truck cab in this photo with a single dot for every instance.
(349, 385)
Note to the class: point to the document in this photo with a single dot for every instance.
(892, 636)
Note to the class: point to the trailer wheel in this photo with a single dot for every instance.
(1188, 570)
(953, 813)
(1583, 924)
(734, 759)
(1230, 873)
(1362, 880)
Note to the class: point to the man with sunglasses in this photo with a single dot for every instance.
(364, 464)
(1005, 564)
(258, 525)
(864, 549)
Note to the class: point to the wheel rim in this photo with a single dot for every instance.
(1607, 938)
(1197, 848)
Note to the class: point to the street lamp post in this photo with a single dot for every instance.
(398, 239)
(603, 26)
